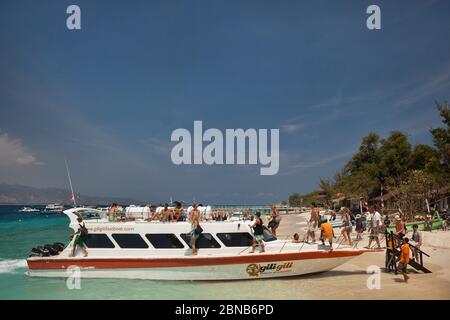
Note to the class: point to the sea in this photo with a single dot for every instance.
(19, 232)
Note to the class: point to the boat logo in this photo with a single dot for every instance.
(255, 270)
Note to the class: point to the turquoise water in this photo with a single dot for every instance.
(19, 232)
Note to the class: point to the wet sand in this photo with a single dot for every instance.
(349, 281)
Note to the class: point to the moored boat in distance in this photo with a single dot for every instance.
(140, 249)
(29, 210)
(54, 208)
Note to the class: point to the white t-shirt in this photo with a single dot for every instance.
(376, 219)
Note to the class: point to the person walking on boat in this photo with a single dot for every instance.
(327, 232)
(196, 229)
(274, 222)
(312, 223)
(80, 238)
(258, 231)
(404, 259)
(374, 229)
(417, 241)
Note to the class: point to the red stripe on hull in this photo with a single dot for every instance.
(136, 263)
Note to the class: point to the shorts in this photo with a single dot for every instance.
(259, 238)
(79, 241)
(194, 235)
(374, 232)
(312, 226)
(402, 267)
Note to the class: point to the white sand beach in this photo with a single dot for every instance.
(349, 280)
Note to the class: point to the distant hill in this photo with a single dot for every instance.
(18, 194)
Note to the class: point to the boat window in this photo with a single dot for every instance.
(268, 236)
(164, 240)
(130, 240)
(236, 239)
(99, 240)
(204, 241)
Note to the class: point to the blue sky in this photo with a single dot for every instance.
(107, 97)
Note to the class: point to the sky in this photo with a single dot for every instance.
(107, 97)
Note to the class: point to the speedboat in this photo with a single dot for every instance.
(28, 209)
(54, 208)
(142, 249)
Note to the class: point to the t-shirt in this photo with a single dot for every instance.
(327, 230)
(376, 218)
(404, 256)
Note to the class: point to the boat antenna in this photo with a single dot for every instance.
(70, 183)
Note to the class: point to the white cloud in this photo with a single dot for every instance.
(292, 127)
(13, 152)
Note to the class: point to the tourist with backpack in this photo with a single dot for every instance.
(80, 238)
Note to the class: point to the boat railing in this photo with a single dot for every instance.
(393, 251)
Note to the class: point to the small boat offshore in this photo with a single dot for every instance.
(141, 249)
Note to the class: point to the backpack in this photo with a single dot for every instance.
(83, 232)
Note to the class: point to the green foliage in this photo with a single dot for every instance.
(295, 200)
(441, 136)
(411, 173)
(385, 162)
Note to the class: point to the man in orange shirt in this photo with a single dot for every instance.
(404, 258)
(326, 232)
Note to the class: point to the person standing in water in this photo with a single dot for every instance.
(80, 238)
(194, 219)
(258, 233)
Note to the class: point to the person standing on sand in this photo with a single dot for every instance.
(417, 238)
(347, 226)
(312, 223)
(359, 227)
(404, 259)
(400, 229)
(375, 225)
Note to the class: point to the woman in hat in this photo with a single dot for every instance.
(400, 229)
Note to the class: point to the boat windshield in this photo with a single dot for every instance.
(89, 214)
(268, 236)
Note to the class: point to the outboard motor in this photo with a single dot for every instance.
(35, 252)
(58, 246)
(47, 250)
